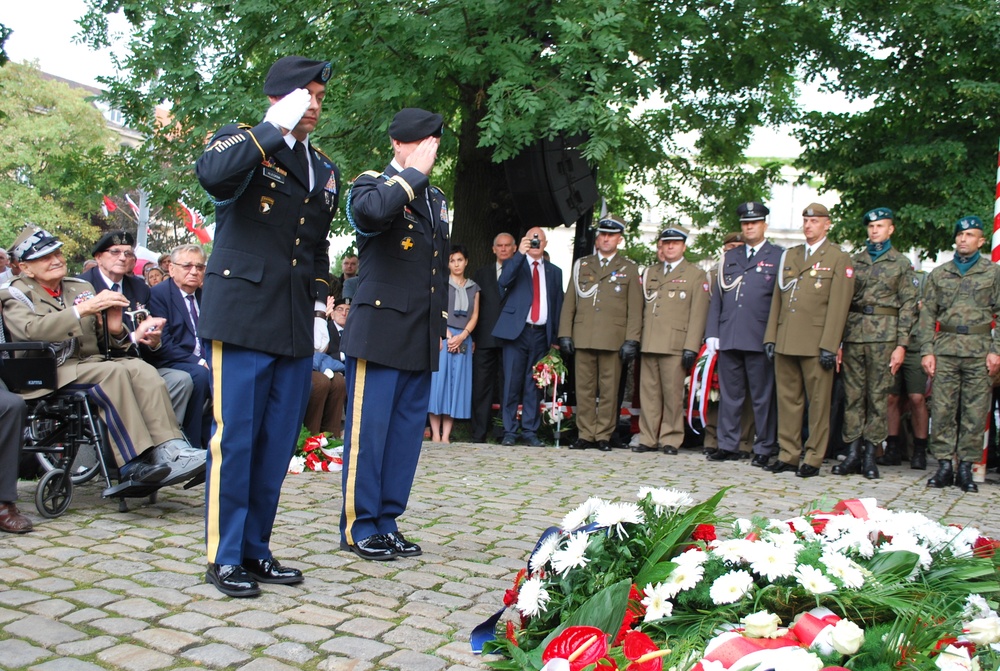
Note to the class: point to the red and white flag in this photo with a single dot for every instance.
(132, 205)
(996, 217)
(194, 222)
(108, 206)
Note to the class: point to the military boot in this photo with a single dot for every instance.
(852, 464)
(868, 467)
(918, 460)
(944, 476)
(890, 457)
(965, 482)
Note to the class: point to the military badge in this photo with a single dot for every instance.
(83, 296)
(408, 214)
(266, 204)
(331, 184)
(274, 173)
(406, 243)
(704, 287)
(683, 295)
(671, 293)
(444, 213)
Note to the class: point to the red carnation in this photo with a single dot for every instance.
(704, 532)
(984, 547)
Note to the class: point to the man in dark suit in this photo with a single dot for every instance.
(112, 254)
(532, 295)
(393, 336)
(178, 300)
(487, 371)
(737, 317)
(275, 195)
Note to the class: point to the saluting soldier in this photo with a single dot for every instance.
(601, 322)
(676, 302)
(883, 310)
(815, 283)
(263, 311)
(393, 336)
(959, 351)
(737, 316)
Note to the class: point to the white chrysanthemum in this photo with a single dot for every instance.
(573, 555)
(742, 526)
(543, 554)
(733, 551)
(532, 597)
(657, 602)
(666, 499)
(731, 587)
(844, 569)
(581, 515)
(813, 580)
(614, 515)
(976, 607)
(787, 541)
(909, 543)
(803, 527)
(683, 577)
(693, 557)
(771, 561)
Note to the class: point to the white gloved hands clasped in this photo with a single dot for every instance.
(321, 336)
(287, 112)
(711, 345)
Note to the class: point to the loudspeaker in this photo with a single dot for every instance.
(551, 182)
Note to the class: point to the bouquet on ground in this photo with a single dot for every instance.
(550, 372)
(655, 584)
(317, 453)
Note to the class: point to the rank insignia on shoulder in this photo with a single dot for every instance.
(266, 204)
(406, 243)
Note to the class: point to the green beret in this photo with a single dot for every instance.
(877, 214)
(968, 223)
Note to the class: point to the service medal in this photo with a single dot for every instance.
(819, 284)
(758, 269)
(618, 288)
(812, 273)
(683, 295)
(671, 293)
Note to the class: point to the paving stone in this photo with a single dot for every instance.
(169, 641)
(137, 608)
(134, 658)
(412, 661)
(216, 656)
(87, 646)
(52, 608)
(290, 652)
(92, 597)
(65, 664)
(15, 575)
(19, 597)
(84, 615)
(43, 631)
(303, 633)
(119, 626)
(365, 627)
(413, 639)
(356, 648)
(49, 585)
(240, 637)
(316, 615)
(342, 664)
(15, 652)
(428, 624)
(257, 619)
(263, 664)
(191, 622)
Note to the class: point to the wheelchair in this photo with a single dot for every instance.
(64, 432)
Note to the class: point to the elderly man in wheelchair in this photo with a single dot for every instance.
(42, 304)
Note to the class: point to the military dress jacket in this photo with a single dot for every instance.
(958, 310)
(603, 306)
(675, 308)
(809, 307)
(399, 313)
(30, 313)
(741, 298)
(884, 306)
(270, 259)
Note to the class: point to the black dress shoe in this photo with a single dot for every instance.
(140, 472)
(604, 445)
(639, 449)
(532, 441)
(581, 444)
(377, 547)
(807, 471)
(404, 548)
(724, 455)
(743, 455)
(669, 449)
(508, 441)
(271, 572)
(759, 460)
(232, 580)
(779, 467)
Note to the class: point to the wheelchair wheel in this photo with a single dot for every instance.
(84, 468)
(54, 493)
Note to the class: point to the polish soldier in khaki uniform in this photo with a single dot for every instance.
(676, 303)
(601, 322)
(961, 299)
(808, 313)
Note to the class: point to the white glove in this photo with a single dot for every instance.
(711, 345)
(287, 112)
(321, 337)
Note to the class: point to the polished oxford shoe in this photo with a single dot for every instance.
(403, 547)
(759, 460)
(12, 520)
(232, 580)
(604, 445)
(669, 449)
(532, 441)
(271, 572)
(582, 444)
(724, 455)
(141, 473)
(807, 471)
(377, 547)
(779, 467)
(639, 449)
(508, 441)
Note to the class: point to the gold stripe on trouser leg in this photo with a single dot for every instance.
(215, 447)
(357, 400)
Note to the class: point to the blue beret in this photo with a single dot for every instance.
(413, 124)
(968, 223)
(610, 225)
(673, 233)
(751, 211)
(112, 238)
(34, 243)
(876, 214)
(294, 72)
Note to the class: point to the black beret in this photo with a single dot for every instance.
(413, 124)
(751, 211)
(112, 238)
(341, 301)
(294, 72)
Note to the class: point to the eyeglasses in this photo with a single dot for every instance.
(127, 253)
(188, 267)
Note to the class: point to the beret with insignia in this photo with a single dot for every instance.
(610, 225)
(816, 210)
(34, 243)
(294, 72)
(341, 301)
(413, 124)
(968, 223)
(751, 211)
(673, 233)
(877, 214)
(731, 238)
(112, 238)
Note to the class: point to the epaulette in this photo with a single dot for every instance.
(371, 173)
(321, 152)
(243, 126)
(75, 279)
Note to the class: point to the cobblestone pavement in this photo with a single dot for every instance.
(98, 589)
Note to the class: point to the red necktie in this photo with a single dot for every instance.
(536, 298)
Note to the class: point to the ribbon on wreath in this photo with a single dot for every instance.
(700, 391)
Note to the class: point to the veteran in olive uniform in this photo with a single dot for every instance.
(809, 308)
(676, 302)
(263, 313)
(393, 335)
(601, 322)
(883, 310)
(961, 299)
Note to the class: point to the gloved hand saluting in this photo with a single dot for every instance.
(286, 113)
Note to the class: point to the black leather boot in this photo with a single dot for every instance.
(944, 476)
(868, 467)
(919, 459)
(852, 464)
(965, 482)
(890, 457)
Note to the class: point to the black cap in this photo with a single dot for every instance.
(752, 211)
(341, 301)
(413, 124)
(34, 243)
(294, 72)
(112, 238)
(673, 233)
(610, 225)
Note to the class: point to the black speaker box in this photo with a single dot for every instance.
(551, 182)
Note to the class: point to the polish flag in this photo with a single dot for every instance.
(194, 222)
(108, 206)
(132, 205)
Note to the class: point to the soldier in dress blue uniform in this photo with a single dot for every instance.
(263, 311)
(393, 335)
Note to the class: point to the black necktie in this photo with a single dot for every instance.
(303, 158)
(115, 287)
(750, 255)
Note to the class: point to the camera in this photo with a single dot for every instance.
(535, 242)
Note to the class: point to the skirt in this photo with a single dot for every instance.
(451, 385)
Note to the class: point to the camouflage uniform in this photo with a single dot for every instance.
(883, 310)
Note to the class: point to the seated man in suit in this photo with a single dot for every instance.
(325, 410)
(531, 291)
(178, 300)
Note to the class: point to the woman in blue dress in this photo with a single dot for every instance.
(451, 385)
